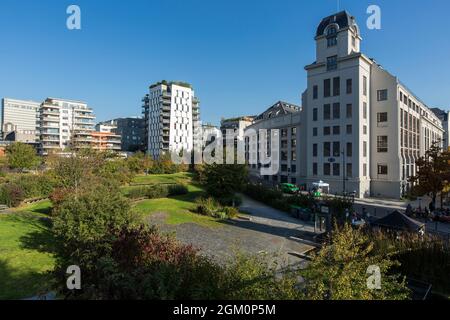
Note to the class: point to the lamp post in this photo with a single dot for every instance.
(343, 172)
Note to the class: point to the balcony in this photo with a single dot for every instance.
(50, 112)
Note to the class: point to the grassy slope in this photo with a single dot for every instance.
(25, 252)
(178, 209)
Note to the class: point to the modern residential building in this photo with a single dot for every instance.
(287, 119)
(105, 138)
(20, 120)
(132, 132)
(65, 123)
(444, 117)
(172, 118)
(363, 129)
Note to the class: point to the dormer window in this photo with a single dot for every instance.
(331, 33)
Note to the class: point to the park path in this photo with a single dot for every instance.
(264, 230)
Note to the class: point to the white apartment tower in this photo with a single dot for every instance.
(65, 123)
(365, 129)
(172, 118)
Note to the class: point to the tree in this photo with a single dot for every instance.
(22, 156)
(433, 173)
(223, 180)
(340, 270)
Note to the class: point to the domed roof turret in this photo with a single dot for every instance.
(343, 19)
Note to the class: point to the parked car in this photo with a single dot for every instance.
(289, 188)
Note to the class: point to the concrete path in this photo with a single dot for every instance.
(267, 231)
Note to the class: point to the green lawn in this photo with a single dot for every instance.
(26, 243)
(178, 209)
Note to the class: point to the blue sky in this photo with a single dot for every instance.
(240, 55)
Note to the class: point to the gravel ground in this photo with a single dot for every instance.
(268, 231)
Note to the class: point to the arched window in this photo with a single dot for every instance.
(331, 31)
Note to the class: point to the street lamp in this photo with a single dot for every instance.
(343, 172)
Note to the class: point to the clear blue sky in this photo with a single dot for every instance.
(240, 55)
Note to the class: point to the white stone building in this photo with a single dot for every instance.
(363, 129)
(172, 118)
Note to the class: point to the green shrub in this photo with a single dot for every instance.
(231, 212)
(137, 193)
(178, 190)
(157, 192)
(208, 206)
(35, 186)
(230, 201)
(11, 195)
(271, 197)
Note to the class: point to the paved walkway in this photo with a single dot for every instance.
(267, 231)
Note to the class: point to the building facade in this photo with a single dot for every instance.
(288, 120)
(235, 126)
(132, 132)
(172, 118)
(64, 124)
(105, 138)
(444, 117)
(363, 129)
(20, 120)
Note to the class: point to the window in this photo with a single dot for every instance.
(315, 92)
(364, 129)
(326, 131)
(336, 130)
(331, 31)
(382, 169)
(382, 117)
(364, 110)
(349, 149)
(293, 155)
(326, 149)
(349, 170)
(382, 144)
(327, 88)
(315, 169)
(382, 95)
(336, 169)
(314, 132)
(364, 85)
(327, 112)
(336, 111)
(332, 63)
(336, 149)
(315, 114)
(336, 86)
(364, 149)
(315, 150)
(349, 129)
(326, 169)
(349, 86)
(283, 132)
(331, 41)
(349, 111)
(293, 131)
(365, 170)
(293, 168)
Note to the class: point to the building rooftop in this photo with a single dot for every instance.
(278, 109)
(169, 83)
(343, 19)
